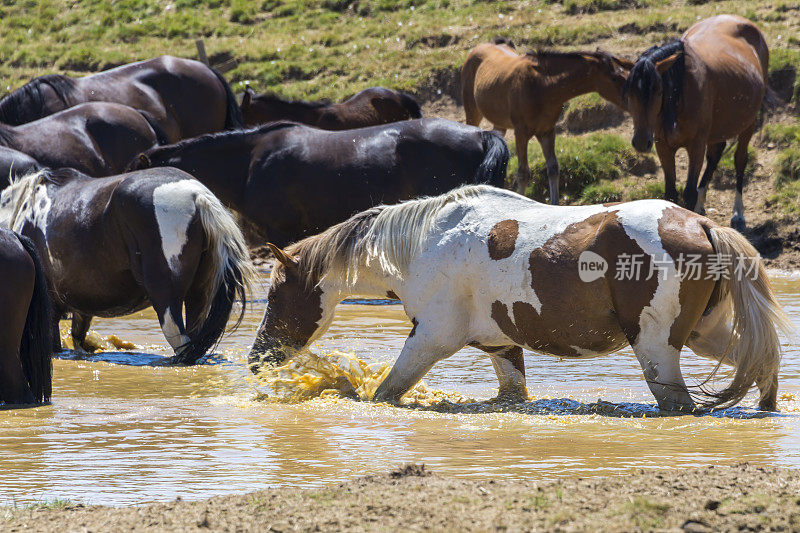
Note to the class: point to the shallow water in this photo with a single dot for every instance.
(121, 434)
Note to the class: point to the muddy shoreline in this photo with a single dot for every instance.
(742, 497)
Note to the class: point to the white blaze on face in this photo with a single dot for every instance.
(175, 208)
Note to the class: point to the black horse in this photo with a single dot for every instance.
(116, 245)
(97, 138)
(26, 335)
(292, 180)
(186, 98)
(14, 163)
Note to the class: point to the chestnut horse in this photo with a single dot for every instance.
(527, 92)
(96, 138)
(116, 245)
(370, 107)
(490, 268)
(291, 181)
(696, 93)
(26, 335)
(186, 98)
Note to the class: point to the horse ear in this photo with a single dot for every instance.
(667, 62)
(287, 260)
(144, 161)
(249, 93)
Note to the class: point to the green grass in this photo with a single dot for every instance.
(645, 190)
(601, 193)
(781, 135)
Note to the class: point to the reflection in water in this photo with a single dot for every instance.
(118, 433)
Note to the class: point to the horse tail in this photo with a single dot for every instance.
(771, 100)
(233, 116)
(36, 348)
(495, 159)
(411, 105)
(754, 346)
(161, 135)
(231, 273)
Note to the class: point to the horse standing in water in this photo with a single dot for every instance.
(527, 92)
(489, 268)
(292, 180)
(370, 107)
(97, 138)
(26, 335)
(114, 246)
(696, 93)
(185, 97)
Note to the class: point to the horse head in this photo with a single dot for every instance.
(648, 96)
(298, 311)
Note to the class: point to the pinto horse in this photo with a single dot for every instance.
(26, 336)
(489, 268)
(117, 245)
(186, 98)
(696, 93)
(527, 92)
(291, 180)
(97, 138)
(370, 107)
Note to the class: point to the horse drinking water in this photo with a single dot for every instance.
(116, 245)
(489, 268)
(696, 93)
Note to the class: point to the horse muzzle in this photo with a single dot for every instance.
(642, 143)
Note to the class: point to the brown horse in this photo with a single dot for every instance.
(26, 336)
(527, 92)
(14, 163)
(113, 246)
(370, 107)
(696, 93)
(96, 138)
(489, 268)
(186, 98)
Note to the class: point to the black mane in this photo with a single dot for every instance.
(275, 99)
(27, 103)
(644, 73)
(213, 139)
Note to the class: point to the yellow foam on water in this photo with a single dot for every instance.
(97, 343)
(338, 373)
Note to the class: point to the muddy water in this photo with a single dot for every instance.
(122, 434)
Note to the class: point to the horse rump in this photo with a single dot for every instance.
(232, 273)
(36, 348)
(233, 116)
(492, 169)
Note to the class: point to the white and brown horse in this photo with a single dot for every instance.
(116, 245)
(487, 267)
(696, 93)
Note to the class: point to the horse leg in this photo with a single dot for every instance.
(521, 140)
(14, 388)
(666, 157)
(548, 142)
(166, 291)
(509, 365)
(713, 155)
(739, 163)
(697, 152)
(425, 346)
(80, 326)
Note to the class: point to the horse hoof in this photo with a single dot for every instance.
(737, 223)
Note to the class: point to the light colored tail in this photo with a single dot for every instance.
(754, 347)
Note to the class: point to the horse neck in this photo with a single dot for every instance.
(7, 135)
(223, 168)
(573, 76)
(293, 111)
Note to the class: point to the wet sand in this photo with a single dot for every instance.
(742, 497)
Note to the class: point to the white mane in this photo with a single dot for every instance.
(389, 235)
(14, 196)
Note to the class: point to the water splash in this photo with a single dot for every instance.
(97, 343)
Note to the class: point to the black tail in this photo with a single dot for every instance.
(411, 105)
(495, 160)
(233, 118)
(36, 349)
(161, 135)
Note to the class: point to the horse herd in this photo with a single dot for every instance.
(472, 263)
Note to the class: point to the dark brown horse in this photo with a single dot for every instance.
(14, 163)
(97, 138)
(186, 98)
(696, 93)
(116, 245)
(26, 335)
(527, 93)
(370, 107)
(292, 180)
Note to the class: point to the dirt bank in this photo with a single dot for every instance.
(743, 497)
